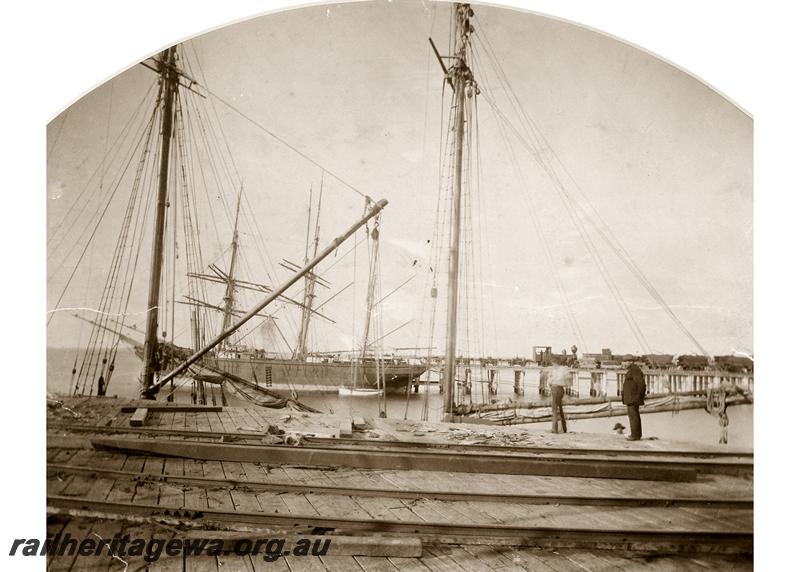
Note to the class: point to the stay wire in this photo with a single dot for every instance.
(64, 224)
(604, 230)
(94, 230)
(96, 217)
(287, 144)
(575, 326)
(577, 221)
(90, 362)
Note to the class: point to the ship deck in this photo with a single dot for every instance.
(390, 494)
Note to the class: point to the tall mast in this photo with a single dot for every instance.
(373, 270)
(310, 280)
(459, 76)
(276, 293)
(230, 286)
(169, 82)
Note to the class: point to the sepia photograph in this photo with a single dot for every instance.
(405, 285)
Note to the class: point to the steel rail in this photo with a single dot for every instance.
(465, 496)
(693, 541)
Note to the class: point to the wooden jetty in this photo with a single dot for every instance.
(388, 495)
(462, 497)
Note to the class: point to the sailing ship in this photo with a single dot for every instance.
(363, 372)
(166, 158)
(364, 375)
(670, 388)
(179, 474)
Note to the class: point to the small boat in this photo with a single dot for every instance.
(359, 392)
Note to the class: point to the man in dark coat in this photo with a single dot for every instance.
(633, 391)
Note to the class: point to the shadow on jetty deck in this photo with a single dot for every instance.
(654, 505)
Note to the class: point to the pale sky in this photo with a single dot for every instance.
(665, 160)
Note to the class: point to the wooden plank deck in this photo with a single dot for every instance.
(153, 480)
(444, 558)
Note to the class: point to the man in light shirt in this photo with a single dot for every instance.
(557, 378)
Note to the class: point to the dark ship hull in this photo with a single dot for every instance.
(322, 374)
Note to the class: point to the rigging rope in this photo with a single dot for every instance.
(442, 208)
(603, 229)
(65, 224)
(539, 229)
(97, 340)
(102, 210)
(286, 143)
(573, 210)
(716, 404)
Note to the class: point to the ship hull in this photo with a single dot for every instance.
(310, 375)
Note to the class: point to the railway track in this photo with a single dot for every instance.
(54, 469)
(663, 541)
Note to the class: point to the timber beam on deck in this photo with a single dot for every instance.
(743, 457)
(722, 463)
(455, 445)
(172, 408)
(433, 460)
(719, 463)
(662, 541)
(361, 491)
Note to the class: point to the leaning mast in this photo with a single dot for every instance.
(169, 90)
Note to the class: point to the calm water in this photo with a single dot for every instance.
(694, 425)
